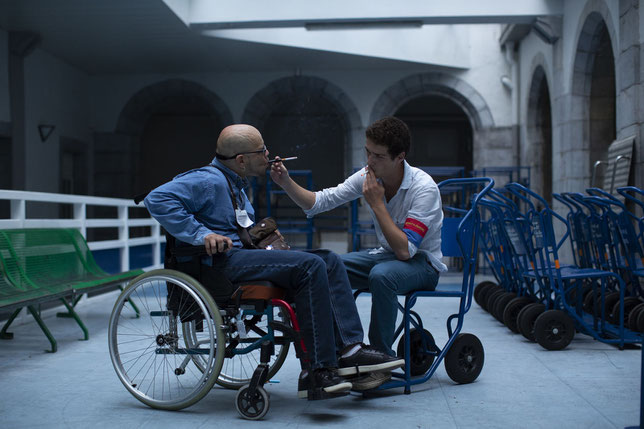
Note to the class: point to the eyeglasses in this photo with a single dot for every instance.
(224, 158)
(263, 150)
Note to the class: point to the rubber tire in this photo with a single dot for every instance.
(512, 310)
(632, 316)
(479, 288)
(554, 330)
(639, 326)
(527, 318)
(610, 300)
(164, 275)
(419, 362)
(465, 358)
(244, 404)
(501, 302)
(491, 299)
(630, 302)
(485, 294)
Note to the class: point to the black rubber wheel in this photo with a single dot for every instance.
(633, 315)
(479, 288)
(419, 360)
(639, 326)
(527, 316)
(630, 302)
(464, 360)
(501, 302)
(252, 407)
(511, 312)
(554, 330)
(591, 302)
(485, 294)
(491, 299)
(610, 300)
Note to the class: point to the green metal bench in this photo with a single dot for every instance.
(43, 265)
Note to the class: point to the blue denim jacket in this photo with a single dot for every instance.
(198, 202)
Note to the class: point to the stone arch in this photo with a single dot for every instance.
(143, 104)
(538, 154)
(593, 92)
(260, 107)
(118, 171)
(435, 83)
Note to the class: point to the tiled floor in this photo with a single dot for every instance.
(587, 385)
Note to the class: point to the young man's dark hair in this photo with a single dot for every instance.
(392, 133)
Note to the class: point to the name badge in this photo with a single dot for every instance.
(242, 218)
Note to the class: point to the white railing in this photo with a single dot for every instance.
(48, 210)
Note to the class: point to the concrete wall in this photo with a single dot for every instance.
(57, 94)
(5, 115)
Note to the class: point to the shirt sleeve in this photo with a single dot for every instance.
(330, 198)
(174, 204)
(425, 214)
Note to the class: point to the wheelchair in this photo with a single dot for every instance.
(170, 342)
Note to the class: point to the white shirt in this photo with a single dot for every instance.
(416, 209)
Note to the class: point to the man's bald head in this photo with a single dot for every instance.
(238, 138)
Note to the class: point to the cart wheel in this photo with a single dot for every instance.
(419, 360)
(633, 315)
(464, 360)
(554, 330)
(639, 326)
(630, 303)
(501, 302)
(491, 299)
(479, 288)
(527, 316)
(511, 312)
(252, 407)
(485, 294)
(610, 300)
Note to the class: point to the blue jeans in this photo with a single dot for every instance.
(387, 277)
(324, 303)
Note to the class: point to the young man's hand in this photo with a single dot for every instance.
(216, 243)
(279, 173)
(372, 190)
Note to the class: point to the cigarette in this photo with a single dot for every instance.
(290, 158)
(365, 172)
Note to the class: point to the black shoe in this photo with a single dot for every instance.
(323, 384)
(368, 359)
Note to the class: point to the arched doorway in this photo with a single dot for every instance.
(539, 154)
(179, 135)
(441, 132)
(594, 93)
(164, 129)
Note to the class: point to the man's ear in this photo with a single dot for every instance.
(241, 162)
(401, 156)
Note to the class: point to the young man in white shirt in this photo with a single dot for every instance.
(405, 205)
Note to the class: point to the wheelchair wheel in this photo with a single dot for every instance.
(150, 354)
(237, 370)
(252, 406)
(419, 360)
(464, 360)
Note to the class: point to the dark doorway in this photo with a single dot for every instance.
(180, 135)
(440, 130)
(602, 101)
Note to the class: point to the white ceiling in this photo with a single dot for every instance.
(160, 36)
(145, 36)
